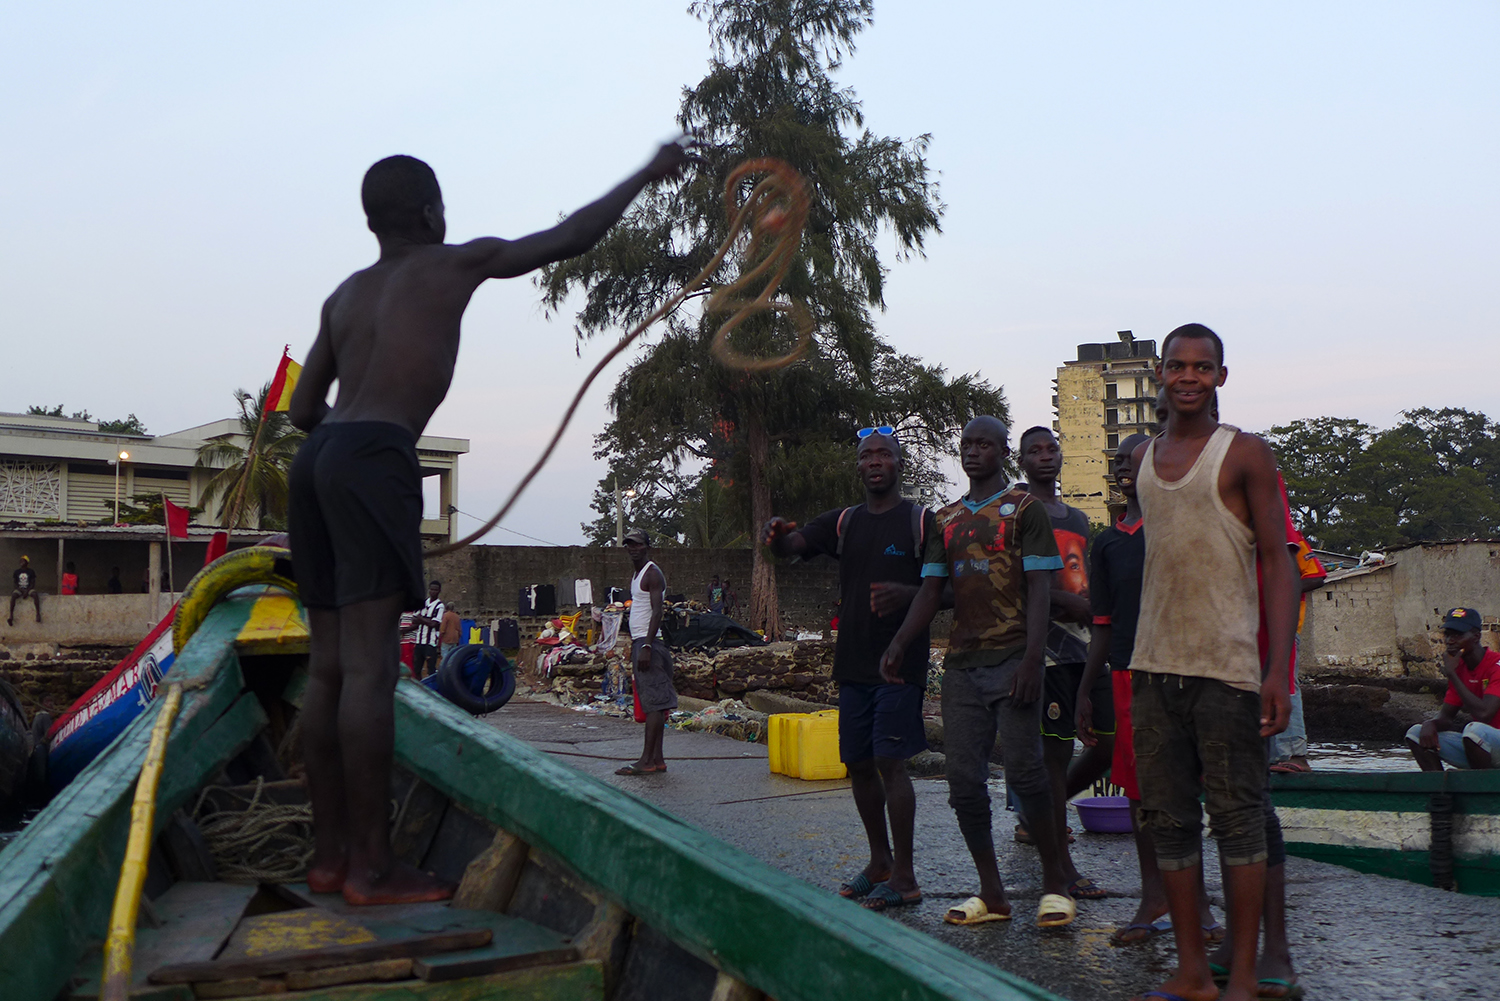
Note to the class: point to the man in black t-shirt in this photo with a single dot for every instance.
(1067, 649)
(25, 579)
(879, 548)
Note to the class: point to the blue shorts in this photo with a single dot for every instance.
(1451, 743)
(880, 721)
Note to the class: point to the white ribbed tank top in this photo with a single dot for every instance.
(1200, 607)
(640, 604)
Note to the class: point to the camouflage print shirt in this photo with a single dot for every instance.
(986, 548)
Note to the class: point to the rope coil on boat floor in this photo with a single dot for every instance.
(263, 843)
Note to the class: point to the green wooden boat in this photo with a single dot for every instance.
(1436, 828)
(569, 888)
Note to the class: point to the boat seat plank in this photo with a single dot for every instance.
(583, 981)
(342, 955)
(196, 918)
(276, 625)
(304, 930)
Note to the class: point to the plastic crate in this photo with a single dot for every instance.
(805, 745)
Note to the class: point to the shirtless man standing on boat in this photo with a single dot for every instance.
(389, 336)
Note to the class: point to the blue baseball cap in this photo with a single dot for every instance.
(1461, 620)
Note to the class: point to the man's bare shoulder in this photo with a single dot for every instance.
(1250, 449)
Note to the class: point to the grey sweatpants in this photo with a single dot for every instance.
(976, 706)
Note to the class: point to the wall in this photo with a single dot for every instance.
(1431, 579)
(85, 620)
(485, 581)
(1388, 620)
(1350, 627)
(1080, 432)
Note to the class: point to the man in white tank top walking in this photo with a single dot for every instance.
(1211, 504)
(649, 656)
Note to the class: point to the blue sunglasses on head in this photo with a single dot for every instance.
(884, 429)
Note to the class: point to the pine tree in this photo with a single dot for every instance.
(787, 434)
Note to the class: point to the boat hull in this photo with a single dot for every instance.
(103, 712)
(1390, 823)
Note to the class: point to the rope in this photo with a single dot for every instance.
(776, 212)
(263, 843)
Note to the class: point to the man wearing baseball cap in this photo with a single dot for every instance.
(649, 656)
(1473, 675)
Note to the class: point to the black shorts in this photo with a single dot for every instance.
(880, 721)
(355, 515)
(1060, 701)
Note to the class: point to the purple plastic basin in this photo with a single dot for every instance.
(1104, 814)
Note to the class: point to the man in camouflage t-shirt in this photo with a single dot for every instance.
(997, 548)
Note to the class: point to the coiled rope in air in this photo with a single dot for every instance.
(776, 213)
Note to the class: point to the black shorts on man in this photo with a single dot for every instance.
(355, 515)
(880, 721)
(1060, 701)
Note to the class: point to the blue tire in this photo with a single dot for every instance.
(463, 674)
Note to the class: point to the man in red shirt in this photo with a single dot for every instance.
(1473, 675)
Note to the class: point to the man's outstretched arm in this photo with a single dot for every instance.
(310, 398)
(492, 257)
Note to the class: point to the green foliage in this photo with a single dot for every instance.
(251, 484)
(146, 509)
(57, 411)
(1352, 487)
(711, 451)
(129, 425)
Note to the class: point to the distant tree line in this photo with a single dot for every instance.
(1353, 487)
(127, 425)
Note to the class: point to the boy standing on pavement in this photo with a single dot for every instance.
(649, 656)
(878, 545)
(389, 336)
(429, 623)
(1473, 675)
(1211, 506)
(1067, 649)
(996, 547)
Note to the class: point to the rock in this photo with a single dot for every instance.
(926, 763)
(688, 704)
(934, 728)
(770, 702)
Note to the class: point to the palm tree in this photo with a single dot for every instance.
(251, 482)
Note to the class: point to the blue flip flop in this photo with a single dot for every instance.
(1152, 929)
(857, 887)
(882, 898)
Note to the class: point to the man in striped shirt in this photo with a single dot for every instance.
(429, 621)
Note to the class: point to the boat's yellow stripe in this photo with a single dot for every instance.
(276, 624)
(121, 942)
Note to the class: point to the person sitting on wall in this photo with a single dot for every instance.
(114, 585)
(1473, 675)
(25, 579)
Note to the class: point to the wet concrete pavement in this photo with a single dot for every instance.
(1353, 936)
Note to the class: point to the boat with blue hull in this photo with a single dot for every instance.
(104, 711)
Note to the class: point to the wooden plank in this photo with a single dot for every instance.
(758, 924)
(308, 929)
(491, 878)
(333, 976)
(571, 982)
(344, 955)
(275, 625)
(516, 944)
(244, 987)
(196, 918)
(57, 879)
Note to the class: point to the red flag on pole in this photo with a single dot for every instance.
(285, 381)
(177, 520)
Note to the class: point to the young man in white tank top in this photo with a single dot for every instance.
(649, 657)
(1211, 504)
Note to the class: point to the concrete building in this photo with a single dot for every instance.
(1386, 619)
(1106, 394)
(61, 469)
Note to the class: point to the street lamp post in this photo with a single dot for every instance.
(620, 496)
(117, 463)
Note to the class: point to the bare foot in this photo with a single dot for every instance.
(404, 884)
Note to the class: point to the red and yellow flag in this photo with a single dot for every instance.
(282, 387)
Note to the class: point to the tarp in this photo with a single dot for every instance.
(708, 629)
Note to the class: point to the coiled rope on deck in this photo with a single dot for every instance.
(262, 843)
(776, 213)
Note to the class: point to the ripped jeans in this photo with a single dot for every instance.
(1198, 736)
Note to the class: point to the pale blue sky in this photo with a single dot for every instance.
(1317, 182)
